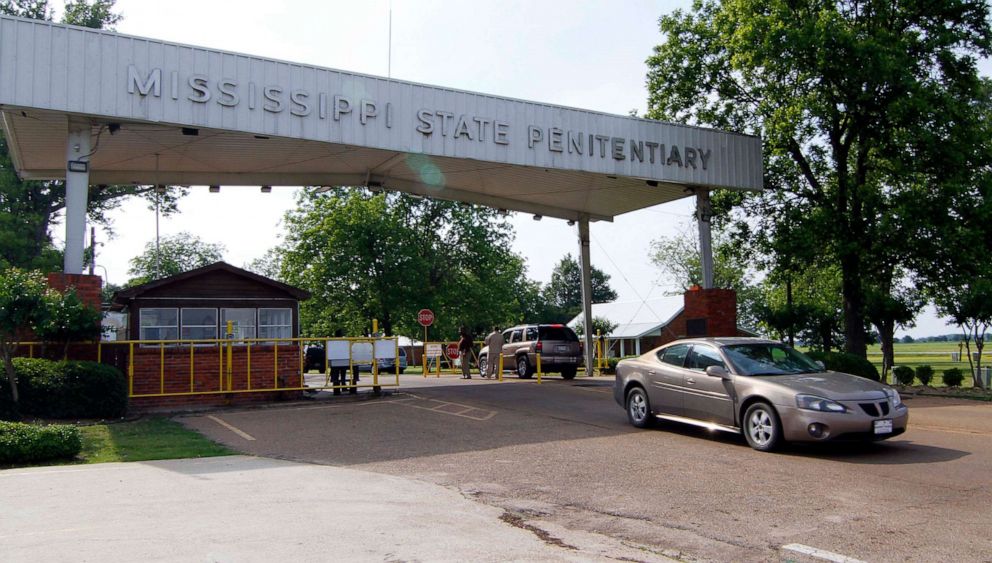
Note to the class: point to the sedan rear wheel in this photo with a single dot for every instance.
(483, 361)
(639, 408)
(762, 427)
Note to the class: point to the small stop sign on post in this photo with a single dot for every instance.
(425, 317)
(452, 350)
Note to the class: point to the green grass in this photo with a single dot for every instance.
(934, 354)
(143, 440)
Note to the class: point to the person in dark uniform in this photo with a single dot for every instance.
(465, 352)
(339, 368)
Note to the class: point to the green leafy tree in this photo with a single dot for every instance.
(678, 259)
(600, 325)
(806, 305)
(563, 294)
(268, 265)
(68, 320)
(22, 306)
(175, 254)
(856, 103)
(385, 256)
(27, 208)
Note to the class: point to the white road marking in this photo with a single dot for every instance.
(820, 553)
(237, 431)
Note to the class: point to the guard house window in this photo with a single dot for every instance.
(159, 324)
(275, 323)
(199, 324)
(243, 319)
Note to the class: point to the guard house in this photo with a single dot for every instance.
(177, 328)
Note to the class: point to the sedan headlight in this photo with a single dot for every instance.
(893, 396)
(814, 403)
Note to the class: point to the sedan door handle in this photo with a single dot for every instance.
(652, 373)
(690, 381)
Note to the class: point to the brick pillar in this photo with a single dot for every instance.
(87, 287)
(710, 312)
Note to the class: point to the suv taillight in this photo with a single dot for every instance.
(539, 346)
(582, 347)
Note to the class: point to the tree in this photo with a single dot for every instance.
(384, 256)
(27, 208)
(678, 259)
(806, 305)
(563, 293)
(268, 265)
(176, 254)
(600, 325)
(970, 307)
(855, 102)
(67, 319)
(22, 306)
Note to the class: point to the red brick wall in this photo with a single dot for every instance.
(208, 362)
(717, 306)
(87, 287)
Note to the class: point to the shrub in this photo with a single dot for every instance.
(904, 374)
(924, 374)
(71, 389)
(847, 363)
(27, 443)
(8, 408)
(953, 377)
(611, 365)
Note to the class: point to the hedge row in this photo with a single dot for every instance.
(27, 443)
(847, 363)
(67, 389)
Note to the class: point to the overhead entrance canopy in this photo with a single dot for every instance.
(96, 107)
(165, 113)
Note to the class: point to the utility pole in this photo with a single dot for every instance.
(92, 249)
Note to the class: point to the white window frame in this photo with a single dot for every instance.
(259, 326)
(183, 325)
(254, 325)
(142, 326)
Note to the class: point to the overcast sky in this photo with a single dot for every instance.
(588, 55)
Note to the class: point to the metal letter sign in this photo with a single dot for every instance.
(425, 317)
(433, 350)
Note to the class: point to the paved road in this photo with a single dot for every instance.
(562, 457)
(240, 508)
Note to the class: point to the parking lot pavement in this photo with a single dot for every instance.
(243, 508)
(562, 457)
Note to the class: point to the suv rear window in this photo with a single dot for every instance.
(557, 333)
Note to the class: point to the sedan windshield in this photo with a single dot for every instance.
(768, 359)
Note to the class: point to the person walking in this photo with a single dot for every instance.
(495, 344)
(465, 351)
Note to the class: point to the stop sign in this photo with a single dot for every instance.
(452, 350)
(425, 317)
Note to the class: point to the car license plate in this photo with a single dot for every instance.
(561, 348)
(883, 427)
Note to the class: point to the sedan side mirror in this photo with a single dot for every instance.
(821, 364)
(718, 371)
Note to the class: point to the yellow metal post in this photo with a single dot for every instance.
(161, 366)
(191, 348)
(275, 365)
(99, 352)
(130, 370)
(501, 366)
(248, 353)
(539, 368)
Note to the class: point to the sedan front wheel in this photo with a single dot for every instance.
(762, 428)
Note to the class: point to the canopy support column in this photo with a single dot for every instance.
(586, 291)
(703, 214)
(77, 183)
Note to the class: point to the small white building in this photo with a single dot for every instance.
(640, 324)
